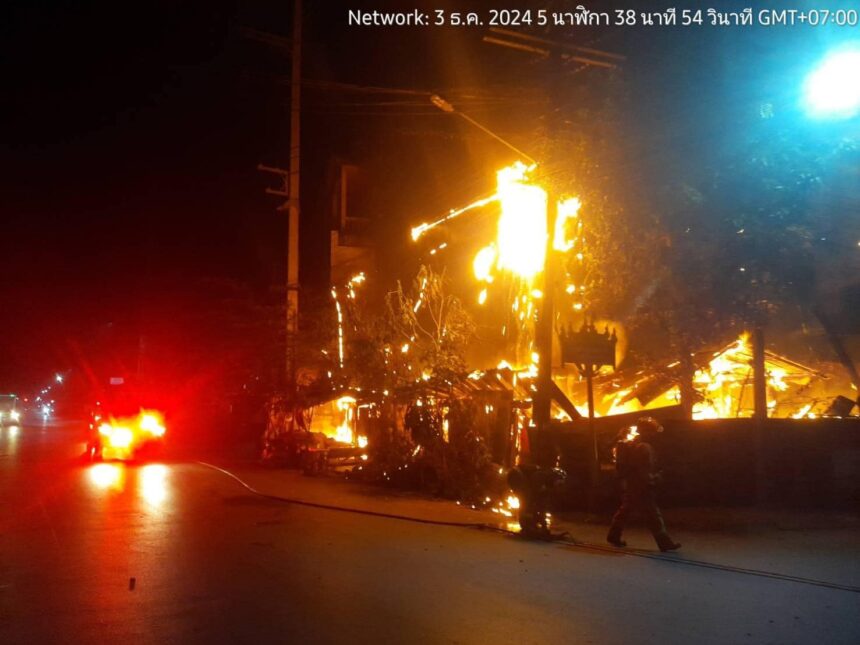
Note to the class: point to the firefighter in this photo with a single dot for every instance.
(635, 463)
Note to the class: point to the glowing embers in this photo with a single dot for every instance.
(507, 507)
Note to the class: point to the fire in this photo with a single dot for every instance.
(343, 432)
(339, 311)
(519, 250)
(419, 230)
(568, 212)
(724, 384)
(522, 223)
(803, 412)
(483, 263)
(507, 507)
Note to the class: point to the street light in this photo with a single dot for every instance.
(445, 106)
(832, 90)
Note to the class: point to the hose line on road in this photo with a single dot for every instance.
(346, 509)
(720, 567)
(567, 542)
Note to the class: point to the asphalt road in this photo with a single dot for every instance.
(179, 553)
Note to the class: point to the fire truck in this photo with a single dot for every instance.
(124, 424)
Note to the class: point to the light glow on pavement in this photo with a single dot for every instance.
(107, 476)
(153, 483)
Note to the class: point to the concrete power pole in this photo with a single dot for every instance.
(294, 203)
(291, 191)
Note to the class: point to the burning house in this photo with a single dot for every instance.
(415, 405)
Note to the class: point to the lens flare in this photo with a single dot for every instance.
(832, 90)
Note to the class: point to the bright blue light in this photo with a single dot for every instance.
(832, 90)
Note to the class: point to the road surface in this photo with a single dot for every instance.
(180, 553)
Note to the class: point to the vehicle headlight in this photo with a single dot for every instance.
(15, 415)
(150, 423)
(121, 438)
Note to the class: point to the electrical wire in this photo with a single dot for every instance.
(567, 542)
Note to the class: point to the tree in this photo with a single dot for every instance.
(433, 326)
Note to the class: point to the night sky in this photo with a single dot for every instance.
(131, 134)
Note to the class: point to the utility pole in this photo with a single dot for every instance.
(291, 192)
(542, 399)
(294, 203)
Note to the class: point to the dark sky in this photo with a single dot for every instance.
(130, 137)
(131, 132)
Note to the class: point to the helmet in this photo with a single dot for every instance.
(648, 424)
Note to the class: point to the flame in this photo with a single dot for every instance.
(725, 385)
(632, 433)
(568, 211)
(803, 412)
(419, 230)
(344, 432)
(483, 263)
(520, 248)
(522, 224)
(339, 311)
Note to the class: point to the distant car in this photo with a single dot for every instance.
(119, 434)
(11, 412)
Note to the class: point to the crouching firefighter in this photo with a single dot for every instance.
(635, 463)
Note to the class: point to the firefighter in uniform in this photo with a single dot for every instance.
(636, 465)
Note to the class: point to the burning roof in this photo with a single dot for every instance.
(723, 382)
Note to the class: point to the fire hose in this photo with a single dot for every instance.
(566, 541)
